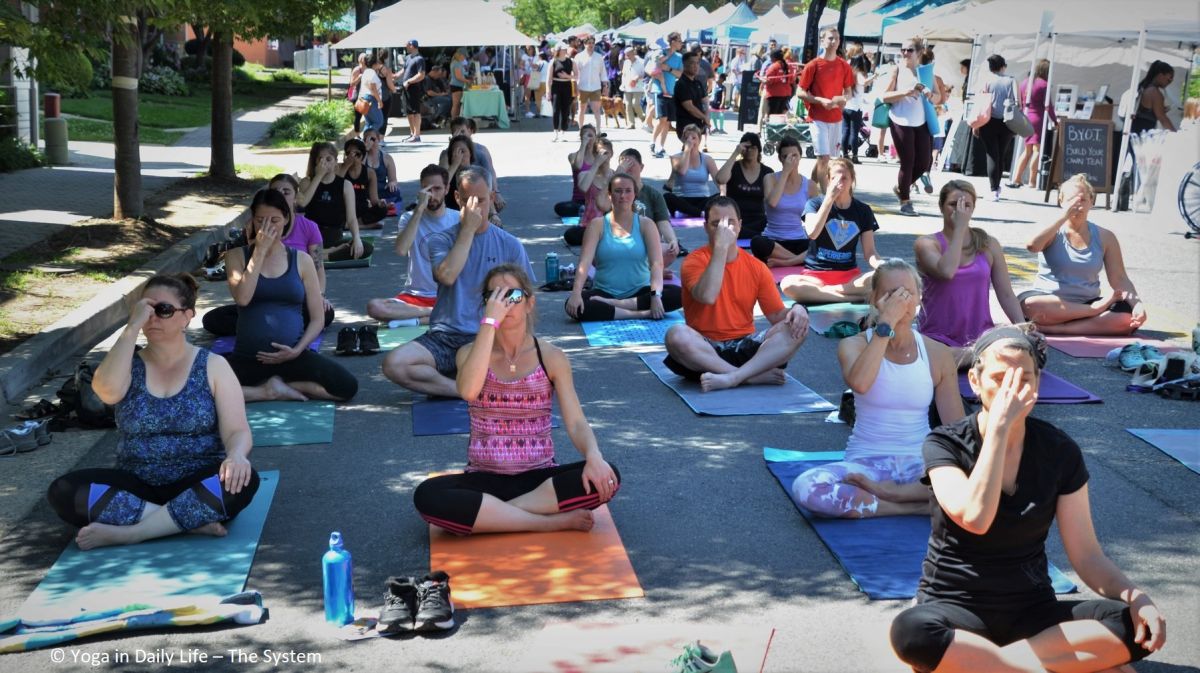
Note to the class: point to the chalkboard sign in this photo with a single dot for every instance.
(748, 108)
(1086, 147)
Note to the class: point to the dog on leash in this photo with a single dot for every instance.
(614, 108)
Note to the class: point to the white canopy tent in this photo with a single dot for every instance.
(582, 29)
(426, 21)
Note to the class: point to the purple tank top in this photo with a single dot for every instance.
(956, 311)
(577, 194)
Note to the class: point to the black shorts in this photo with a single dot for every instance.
(736, 352)
(664, 107)
(412, 99)
(456, 89)
(1119, 306)
(443, 346)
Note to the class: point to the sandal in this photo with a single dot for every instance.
(1187, 389)
(43, 409)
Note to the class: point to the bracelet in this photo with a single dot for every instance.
(490, 321)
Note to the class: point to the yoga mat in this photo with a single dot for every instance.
(822, 316)
(354, 263)
(584, 647)
(687, 222)
(1181, 444)
(1051, 390)
(571, 221)
(153, 571)
(792, 397)
(1098, 347)
(744, 243)
(390, 339)
(224, 345)
(779, 272)
(279, 423)
(448, 417)
(881, 555)
(496, 570)
(630, 332)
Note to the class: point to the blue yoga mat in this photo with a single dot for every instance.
(156, 570)
(571, 221)
(630, 332)
(447, 417)
(290, 423)
(1181, 444)
(882, 555)
(792, 397)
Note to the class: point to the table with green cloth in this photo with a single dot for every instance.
(485, 103)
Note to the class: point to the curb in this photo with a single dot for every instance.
(29, 363)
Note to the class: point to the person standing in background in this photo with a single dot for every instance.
(414, 90)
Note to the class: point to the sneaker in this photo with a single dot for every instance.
(1129, 357)
(529, 115)
(347, 343)
(661, 154)
(996, 195)
(399, 602)
(435, 611)
(908, 210)
(927, 183)
(653, 149)
(368, 340)
(1150, 353)
(697, 658)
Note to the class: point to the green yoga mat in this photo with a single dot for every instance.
(154, 571)
(398, 336)
(290, 423)
(354, 263)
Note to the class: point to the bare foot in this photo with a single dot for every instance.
(103, 535)
(580, 519)
(710, 381)
(771, 377)
(216, 529)
(279, 390)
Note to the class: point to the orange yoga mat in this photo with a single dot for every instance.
(502, 569)
(643, 647)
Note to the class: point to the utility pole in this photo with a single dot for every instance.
(671, 9)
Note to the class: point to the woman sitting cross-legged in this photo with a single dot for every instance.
(999, 479)
(368, 207)
(328, 199)
(510, 378)
(629, 273)
(895, 373)
(272, 285)
(594, 182)
(786, 194)
(1066, 299)
(835, 223)
(184, 443)
(691, 171)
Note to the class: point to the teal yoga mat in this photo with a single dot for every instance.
(354, 263)
(882, 555)
(154, 571)
(822, 316)
(290, 423)
(390, 338)
(630, 332)
(1179, 443)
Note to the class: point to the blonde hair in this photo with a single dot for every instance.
(889, 265)
(1081, 183)
(518, 274)
(1042, 70)
(979, 237)
(848, 166)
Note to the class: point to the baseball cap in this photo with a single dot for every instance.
(413, 43)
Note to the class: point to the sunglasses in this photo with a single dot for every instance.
(513, 296)
(354, 154)
(165, 310)
(907, 51)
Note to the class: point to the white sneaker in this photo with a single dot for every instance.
(529, 115)
(996, 195)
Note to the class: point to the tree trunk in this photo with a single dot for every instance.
(362, 13)
(127, 163)
(221, 163)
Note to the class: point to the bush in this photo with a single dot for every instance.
(15, 155)
(318, 122)
(288, 75)
(71, 75)
(163, 80)
(101, 75)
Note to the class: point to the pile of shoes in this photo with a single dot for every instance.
(1174, 375)
(214, 258)
(412, 605)
(697, 658)
(358, 340)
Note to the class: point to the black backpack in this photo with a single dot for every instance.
(77, 395)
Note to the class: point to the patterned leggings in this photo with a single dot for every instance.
(119, 497)
(823, 491)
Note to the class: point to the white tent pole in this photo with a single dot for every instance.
(1129, 114)
(1037, 173)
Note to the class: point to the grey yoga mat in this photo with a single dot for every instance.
(792, 397)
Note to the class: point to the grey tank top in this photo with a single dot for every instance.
(1068, 272)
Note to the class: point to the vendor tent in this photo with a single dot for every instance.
(576, 31)
(742, 15)
(870, 18)
(426, 22)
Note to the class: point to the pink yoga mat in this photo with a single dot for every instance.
(1098, 347)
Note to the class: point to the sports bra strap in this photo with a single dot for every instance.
(541, 363)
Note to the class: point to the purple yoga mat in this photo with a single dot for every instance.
(1051, 390)
(687, 222)
(224, 345)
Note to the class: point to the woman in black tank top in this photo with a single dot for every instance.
(367, 204)
(328, 200)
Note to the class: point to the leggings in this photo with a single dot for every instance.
(777, 105)
(851, 131)
(996, 136)
(305, 367)
(222, 320)
(922, 634)
(914, 146)
(568, 208)
(386, 111)
(672, 299)
(370, 214)
(689, 206)
(119, 497)
(562, 106)
(341, 253)
(761, 246)
(823, 491)
(452, 501)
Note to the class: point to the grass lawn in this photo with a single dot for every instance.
(102, 131)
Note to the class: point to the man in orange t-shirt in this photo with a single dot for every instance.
(721, 284)
(826, 84)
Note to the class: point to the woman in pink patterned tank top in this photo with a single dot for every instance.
(510, 380)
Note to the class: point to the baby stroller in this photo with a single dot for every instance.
(777, 127)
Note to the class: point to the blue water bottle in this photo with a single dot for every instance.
(339, 582)
(551, 267)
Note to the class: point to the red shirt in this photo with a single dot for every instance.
(777, 83)
(826, 79)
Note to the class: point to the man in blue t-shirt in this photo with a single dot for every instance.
(460, 258)
(670, 66)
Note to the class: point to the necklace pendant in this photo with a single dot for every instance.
(512, 369)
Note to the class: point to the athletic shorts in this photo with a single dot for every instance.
(443, 346)
(586, 97)
(416, 300)
(412, 99)
(665, 106)
(826, 136)
(736, 352)
(830, 277)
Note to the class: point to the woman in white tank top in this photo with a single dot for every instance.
(895, 374)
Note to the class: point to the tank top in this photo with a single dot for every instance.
(749, 197)
(163, 439)
(908, 111)
(956, 311)
(694, 181)
(590, 210)
(892, 417)
(275, 312)
(621, 265)
(510, 423)
(577, 194)
(1071, 273)
(381, 174)
(362, 187)
(327, 208)
(785, 221)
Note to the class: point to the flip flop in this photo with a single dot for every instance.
(43, 409)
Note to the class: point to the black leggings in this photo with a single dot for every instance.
(568, 208)
(914, 146)
(562, 105)
(119, 497)
(222, 320)
(922, 634)
(341, 253)
(761, 246)
(996, 136)
(689, 206)
(778, 105)
(370, 214)
(386, 109)
(672, 299)
(306, 367)
(452, 501)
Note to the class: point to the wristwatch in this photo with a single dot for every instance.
(653, 293)
(884, 330)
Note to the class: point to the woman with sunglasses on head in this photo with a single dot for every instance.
(184, 444)
(384, 166)
(744, 175)
(999, 479)
(625, 249)
(272, 286)
(510, 379)
(328, 199)
(369, 208)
